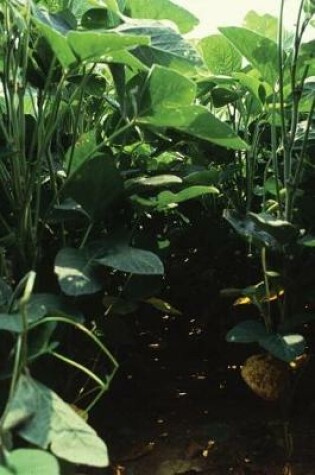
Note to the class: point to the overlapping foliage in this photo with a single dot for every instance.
(110, 120)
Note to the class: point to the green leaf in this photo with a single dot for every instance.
(162, 10)
(167, 198)
(42, 418)
(132, 260)
(113, 5)
(100, 175)
(37, 307)
(84, 147)
(56, 38)
(205, 177)
(75, 269)
(31, 462)
(286, 348)
(126, 58)
(152, 182)
(166, 88)
(281, 230)
(166, 103)
(196, 121)
(307, 241)
(258, 88)
(261, 52)
(222, 96)
(96, 18)
(67, 210)
(220, 56)
(167, 47)
(97, 45)
(163, 306)
(270, 185)
(266, 25)
(249, 331)
(249, 230)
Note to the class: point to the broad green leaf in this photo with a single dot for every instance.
(127, 58)
(162, 10)
(167, 198)
(132, 260)
(152, 182)
(266, 25)
(270, 185)
(100, 175)
(220, 56)
(67, 210)
(167, 47)
(167, 102)
(309, 7)
(31, 462)
(249, 230)
(286, 348)
(57, 40)
(84, 147)
(281, 230)
(261, 52)
(42, 418)
(95, 45)
(196, 121)
(166, 88)
(113, 5)
(75, 269)
(258, 88)
(249, 331)
(205, 177)
(37, 307)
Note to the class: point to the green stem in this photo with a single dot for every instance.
(267, 315)
(274, 147)
(80, 367)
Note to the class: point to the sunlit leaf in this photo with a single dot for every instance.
(152, 182)
(286, 348)
(242, 301)
(172, 106)
(167, 47)
(30, 462)
(42, 418)
(260, 51)
(95, 45)
(162, 10)
(163, 306)
(75, 269)
(220, 56)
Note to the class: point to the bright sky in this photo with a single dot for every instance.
(231, 12)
